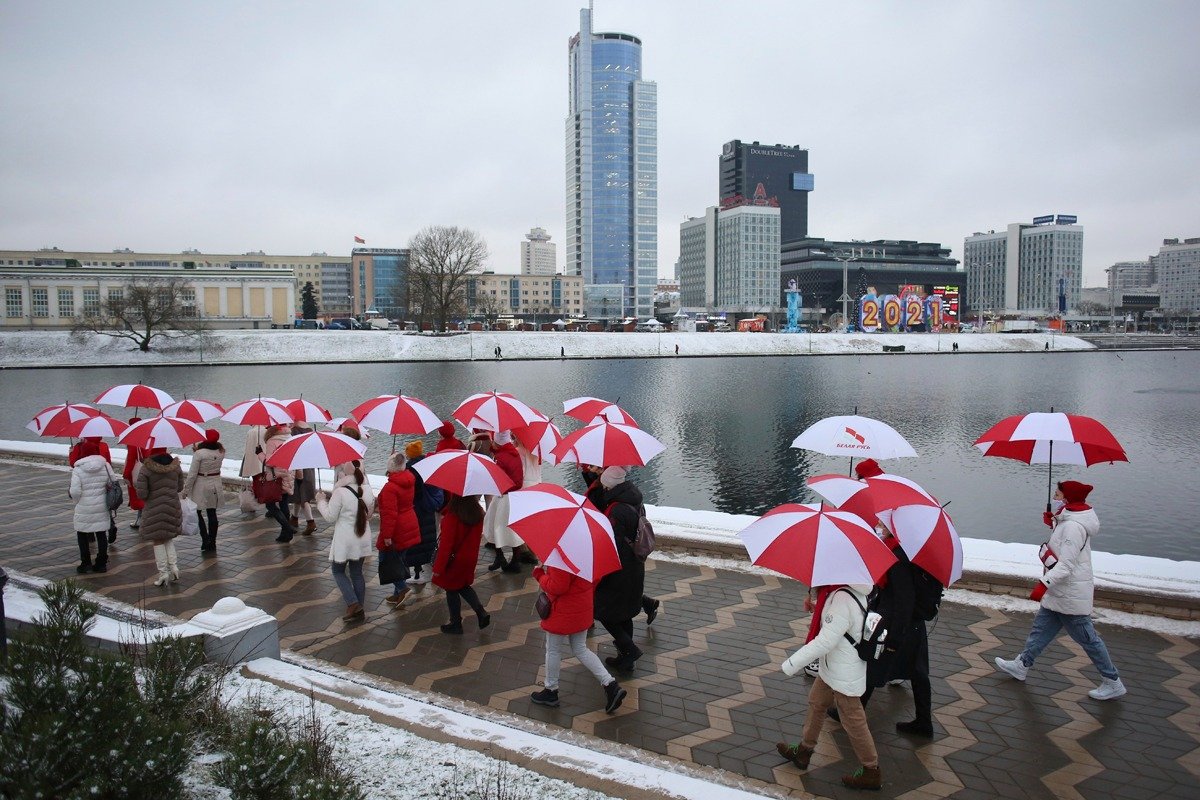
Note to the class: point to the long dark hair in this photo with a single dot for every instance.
(466, 509)
(360, 519)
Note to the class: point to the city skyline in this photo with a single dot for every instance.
(292, 129)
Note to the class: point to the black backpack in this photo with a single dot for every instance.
(869, 646)
(928, 593)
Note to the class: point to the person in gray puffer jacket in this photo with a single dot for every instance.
(159, 484)
(89, 479)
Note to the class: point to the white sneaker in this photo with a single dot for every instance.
(1108, 690)
(812, 669)
(897, 682)
(1015, 668)
(424, 573)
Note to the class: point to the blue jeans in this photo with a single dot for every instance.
(353, 586)
(1046, 626)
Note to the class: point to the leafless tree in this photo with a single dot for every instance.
(1091, 308)
(146, 309)
(440, 261)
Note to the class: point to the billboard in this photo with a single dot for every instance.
(950, 297)
(802, 181)
(1047, 219)
(1067, 219)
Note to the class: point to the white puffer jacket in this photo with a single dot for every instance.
(89, 476)
(342, 509)
(841, 668)
(1070, 582)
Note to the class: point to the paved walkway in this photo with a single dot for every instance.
(709, 690)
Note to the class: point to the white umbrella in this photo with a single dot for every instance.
(856, 437)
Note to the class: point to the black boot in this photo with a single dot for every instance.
(500, 561)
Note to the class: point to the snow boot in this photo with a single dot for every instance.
(864, 778)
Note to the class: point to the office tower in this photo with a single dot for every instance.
(1177, 266)
(1019, 270)
(781, 170)
(729, 258)
(379, 281)
(611, 173)
(538, 256)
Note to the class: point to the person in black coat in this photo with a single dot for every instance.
(427, 501)
(619, 594)
(595, 493)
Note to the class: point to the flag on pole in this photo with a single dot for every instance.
(359, 240)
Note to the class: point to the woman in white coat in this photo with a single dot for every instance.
(348, 507)
(841, 681)
(203, 486)
(89, 479)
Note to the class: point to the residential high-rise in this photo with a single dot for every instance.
(729, 258)
(1019, 270)
(538, 254)
(611, 173)
(1178, 268)
(781, 170)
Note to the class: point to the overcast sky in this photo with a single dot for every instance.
(291, 127)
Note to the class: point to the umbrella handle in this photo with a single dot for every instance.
(1049, 475)
(850, 474)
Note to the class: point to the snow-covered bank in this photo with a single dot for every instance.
(59, 349)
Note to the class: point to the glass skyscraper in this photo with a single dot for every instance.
(612, 174)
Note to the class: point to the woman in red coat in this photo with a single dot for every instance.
(569, 620)
(398, 526)
(457, 553)
(134, 456)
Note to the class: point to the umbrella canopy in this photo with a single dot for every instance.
(564, 530)
(162, 432)
(193, 410)
(540, 439)
(1051, 438)
(396, 414)
(135, 395)
(817, 545)
(930, 541)
(52, 420)
(305, 411)
(101, 425)
(874, 498)
(608, 444)
(495, 411)
(316, 449)
(592, 409)
(260, 411)
(854, 436)
(463, 473)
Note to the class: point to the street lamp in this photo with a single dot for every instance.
(845, 298)
(1114, 273)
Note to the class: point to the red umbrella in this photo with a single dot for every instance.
(495, 411)
(540, 439)
(261, 411)
(194, 410)
(817, 545)
(52, 420)
(564, 530)
(316, 449)
(592, 409)
(305, 411)
(1049, 438)
(396, 414)
(162, 432)
(463, 473)
(929, 540)
(135, 395)
(874, 498)
(101, 425)
(609, 445)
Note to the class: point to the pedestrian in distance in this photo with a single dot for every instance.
(840, 682)
(159, 482)
(1066, 589)
(203, 486)
(399, 528)
(571, 612)
(348, 507)
(457, 554)
(90, 477)
(498, 353)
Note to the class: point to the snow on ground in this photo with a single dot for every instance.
(57, 348)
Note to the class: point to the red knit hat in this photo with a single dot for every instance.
(867, 468)
(211, 435)
(446, 429)
(1074, 491)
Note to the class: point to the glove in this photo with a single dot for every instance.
(1048, 518)
(1038, 592)
(791, 666)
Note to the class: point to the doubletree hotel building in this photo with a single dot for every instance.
(884, 264)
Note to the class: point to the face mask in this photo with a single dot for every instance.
(1057, 506)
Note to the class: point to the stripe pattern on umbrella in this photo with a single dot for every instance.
(592, 410)
(396, 414)
(52, 421)
(463, 473)
(1032, 438)
(162, 432)
(260, 411)
(930, 541)
(495, 411)
(540, 439)
(854, 436)
(609, 445)
(100, 425)
(194, 410)
(817, 545)
(305, 410)
(316, 449)
(564, 530)
(135, 395)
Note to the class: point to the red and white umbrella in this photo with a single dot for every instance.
(316, 449)
(194, 410)
(1051, 438)
(101, 425)
(52, 420)
(135, 395)
(564, 530)
(817, 545)
(396, 414)
(929, 540)
(592, 410)
(305, 410)
(463, 473)
(162, 432)
(495, 411)
(540, 439)
(260, 411)
(874, 498)
(609, 445)
(854, 436)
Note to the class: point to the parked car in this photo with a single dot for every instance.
(345, 324)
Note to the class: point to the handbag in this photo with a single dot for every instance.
(113, 497)
(189, 523)
(267, 490)
(542, 604)
(392, 568)
(247, 501)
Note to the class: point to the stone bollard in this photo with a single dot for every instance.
(234, 632)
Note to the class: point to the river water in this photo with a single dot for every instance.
(728, 423)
